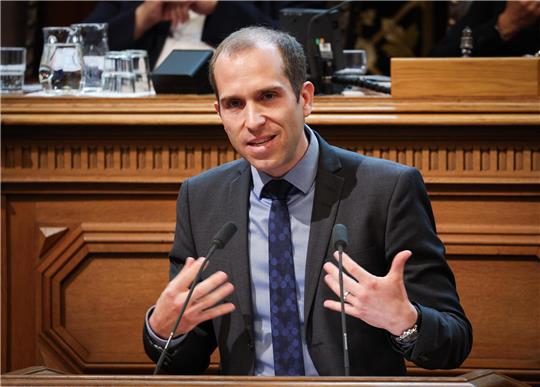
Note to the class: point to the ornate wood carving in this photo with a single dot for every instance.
(49, 236)
(95, 285)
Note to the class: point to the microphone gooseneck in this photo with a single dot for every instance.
(221, 238)
(339, 242)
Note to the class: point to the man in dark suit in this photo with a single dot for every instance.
(400, 295)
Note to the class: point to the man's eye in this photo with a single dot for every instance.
(234, 104)
(268, 96)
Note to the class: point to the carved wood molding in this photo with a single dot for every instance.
(71, 321)
(490, 240)
(73, 329)
(328, 110)
(165, 162)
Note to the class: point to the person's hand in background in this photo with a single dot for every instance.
(517, 16)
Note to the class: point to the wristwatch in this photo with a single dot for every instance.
(409, 336)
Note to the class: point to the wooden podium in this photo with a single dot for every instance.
(41, 376)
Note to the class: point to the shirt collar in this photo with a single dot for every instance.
(301, 176)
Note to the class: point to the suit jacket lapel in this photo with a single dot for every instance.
(328, 189)
(238, 205)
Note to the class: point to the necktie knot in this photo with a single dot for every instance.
(277, 189)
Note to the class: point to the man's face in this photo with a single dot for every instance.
(259, 110)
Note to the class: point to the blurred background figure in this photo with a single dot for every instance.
(384, 29)
(162, 26)
(499, 28)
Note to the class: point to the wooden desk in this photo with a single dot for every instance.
(88, 193)
(40, 376)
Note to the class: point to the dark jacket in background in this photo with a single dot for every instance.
(228, 17)
(482, 19)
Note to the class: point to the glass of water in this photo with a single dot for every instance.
(139, 60)
(118, 76)
(61, 70)
(12, 68)
(94, 45)
(355, 61)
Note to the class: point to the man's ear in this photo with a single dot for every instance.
(216, 108)
(306, 95)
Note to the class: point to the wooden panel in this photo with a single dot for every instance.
(193, 110)
(117, 291)
(498, 296)
(95, 284)
(39, 376)
(458, 77)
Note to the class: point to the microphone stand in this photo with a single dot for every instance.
(181, 314)
(220, 240)
(343, 316)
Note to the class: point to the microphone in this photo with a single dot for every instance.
(221, 238)
(340, 241)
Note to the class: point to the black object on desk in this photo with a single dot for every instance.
(183, 72)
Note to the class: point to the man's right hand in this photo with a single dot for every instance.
(204, 305)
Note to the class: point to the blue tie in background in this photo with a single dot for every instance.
(284, 316)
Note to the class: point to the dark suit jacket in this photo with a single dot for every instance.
(482, 18)
(385, 208)
(228, 17)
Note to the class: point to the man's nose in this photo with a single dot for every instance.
(254, 116)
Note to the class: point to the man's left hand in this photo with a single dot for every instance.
(379, 301)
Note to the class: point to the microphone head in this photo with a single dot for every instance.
(339, 237)
(224, 234)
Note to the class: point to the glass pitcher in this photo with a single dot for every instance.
(61, 70)
(94, 44)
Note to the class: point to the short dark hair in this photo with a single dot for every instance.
(292, 53)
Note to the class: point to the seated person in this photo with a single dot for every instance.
(499, 28)
(161, 26)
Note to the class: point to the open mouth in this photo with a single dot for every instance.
(261, 141)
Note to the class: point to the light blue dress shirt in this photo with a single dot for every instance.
(300, 204)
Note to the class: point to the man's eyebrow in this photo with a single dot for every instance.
(272, 88)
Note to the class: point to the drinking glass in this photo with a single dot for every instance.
(94, 45)
(61, 70)
(53, 35)
(139, 61)
(118, 76)
(355, 61)
(12, 68)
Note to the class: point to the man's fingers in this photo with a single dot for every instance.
(353, 268)
(218, 310)
(212, 298)
(209, 285)
(183, 280)
(336, 306)
(332, 280)
(398, 264)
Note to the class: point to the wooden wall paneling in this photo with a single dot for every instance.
(4, 287)
(20, 268)
(109, 188)
(97, 285)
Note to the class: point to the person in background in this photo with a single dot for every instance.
(499, 28)
(161, 26)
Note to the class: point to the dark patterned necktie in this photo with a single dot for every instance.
(284, 317)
